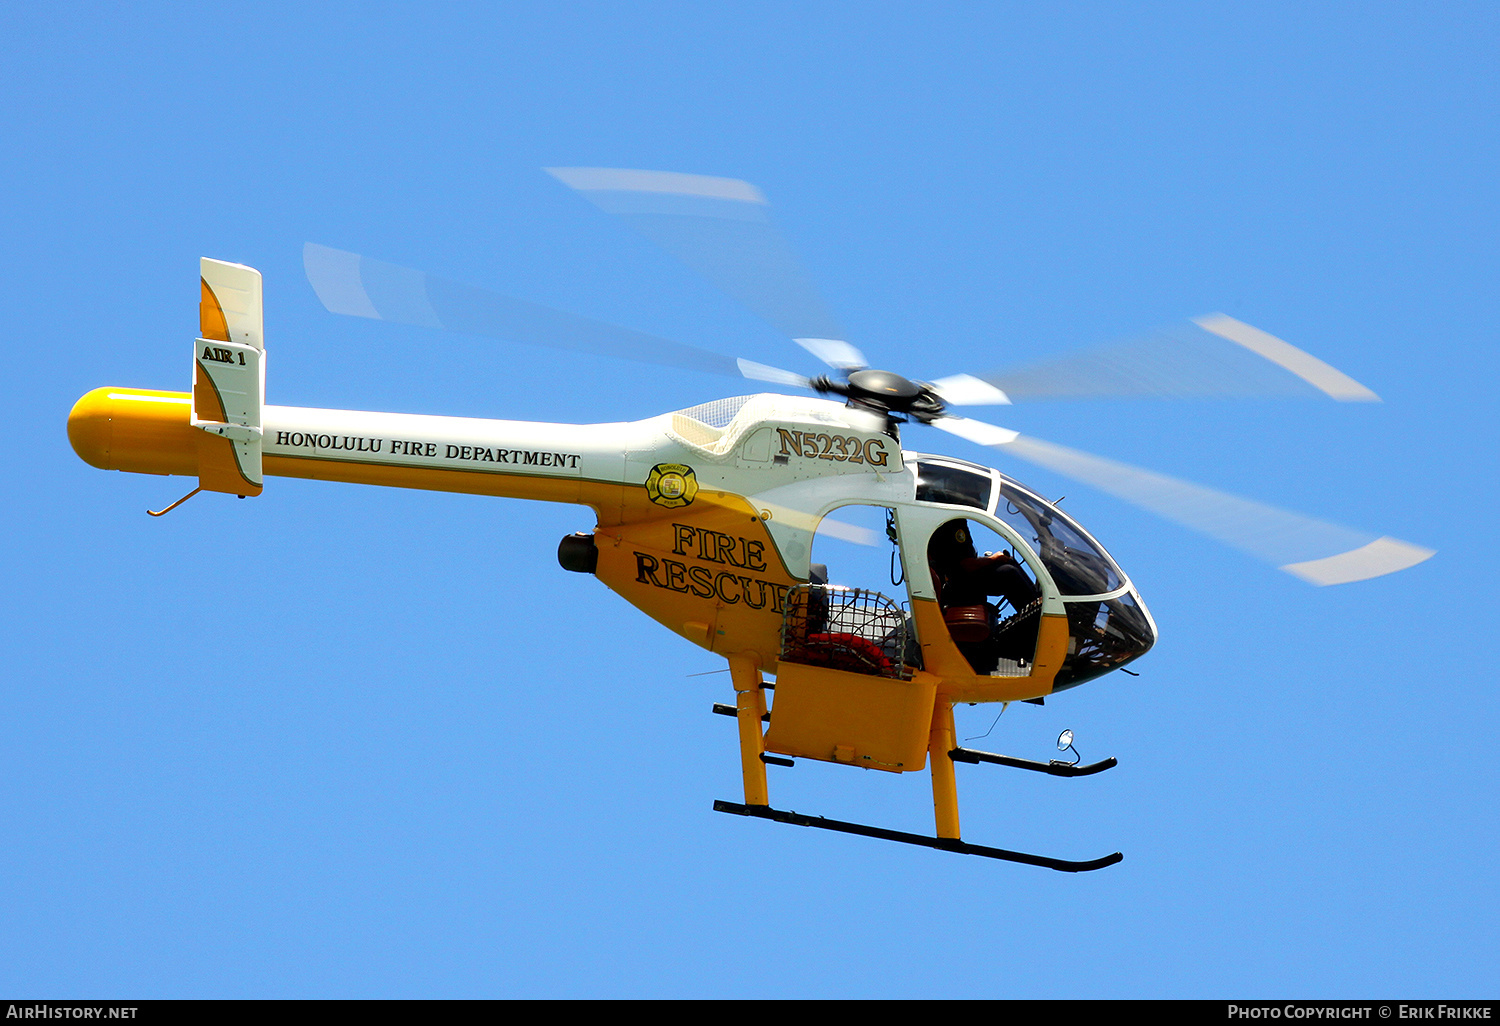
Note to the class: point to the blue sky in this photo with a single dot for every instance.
(435, 764)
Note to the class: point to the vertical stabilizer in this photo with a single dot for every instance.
(229, 380)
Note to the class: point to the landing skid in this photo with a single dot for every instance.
(1055, 767)
(943, 751)
(941, 843)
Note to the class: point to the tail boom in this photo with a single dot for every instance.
(152, 432)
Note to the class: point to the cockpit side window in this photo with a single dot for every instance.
(952, 485)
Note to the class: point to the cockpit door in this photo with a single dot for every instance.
(978, 593)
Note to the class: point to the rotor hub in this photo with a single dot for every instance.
(885, 392)
(884, 386)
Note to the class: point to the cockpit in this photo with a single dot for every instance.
(992, 596)
(996, 558)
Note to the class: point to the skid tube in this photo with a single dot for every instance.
(941, 843)
(1056, 768)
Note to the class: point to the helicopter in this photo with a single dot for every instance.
(706, 516)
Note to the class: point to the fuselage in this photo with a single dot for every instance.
(705, 518)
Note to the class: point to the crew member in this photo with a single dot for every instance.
(964, 580)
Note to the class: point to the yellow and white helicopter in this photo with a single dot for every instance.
(706, 516)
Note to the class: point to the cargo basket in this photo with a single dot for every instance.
(848, 629)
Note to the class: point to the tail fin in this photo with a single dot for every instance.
(229, 379)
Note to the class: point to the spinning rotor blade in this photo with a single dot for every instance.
(721, 228)
(348, 283)
(852, 533)
(1210, 356)
(1319, 553)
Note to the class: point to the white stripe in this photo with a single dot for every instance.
(596, 179)
(848, 532)
(1381, 556)
(148, 398)
(1306, 366)
(967, 390)
(835, 352)
(976, 430)
(334, 276)
(761, 372)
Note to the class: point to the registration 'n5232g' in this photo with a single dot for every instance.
(844, 448)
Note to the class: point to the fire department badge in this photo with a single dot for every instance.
(671, 485)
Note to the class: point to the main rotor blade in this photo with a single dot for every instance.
(358, 286)
(1210, 356)
(1318, 552)
(721, 228)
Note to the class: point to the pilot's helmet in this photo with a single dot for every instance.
(952, 541)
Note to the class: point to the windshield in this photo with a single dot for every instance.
(1077, 565)
(1103, 636)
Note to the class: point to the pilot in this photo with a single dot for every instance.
(964, 580)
